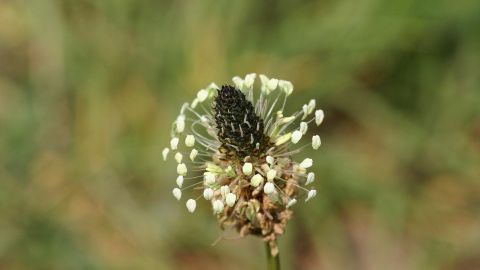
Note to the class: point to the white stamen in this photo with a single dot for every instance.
(283, 139)
(191, 205)
(184, 107)
(165, 153)
(177, 193)
(319, 115)
(306, 163)
(208, 194)
(193, 154)
(178, 157)
(212, 87)
(174, 143)
(311, 106)
(296, 136)
(312, 193)
(230, 199)
(271, 174)
(286, 120)
(180, 123)
(286, 87)
(270, 160)
(229, 171)
(190, 141)
(269, 188)
(305, 111)
(272, 84)
(209, 178)
(316, 142)
(264, 79)
(217, 206)
(310, 178)
(180, 181)
(256, 180)
(303, 127)
(291, 203)
(249, 80)
(224, 190)
(194, 103)
(202, 95)
(279, 114)
(182, 169)
(238, 82)
(247, 168)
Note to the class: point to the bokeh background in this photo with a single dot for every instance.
(88, 90)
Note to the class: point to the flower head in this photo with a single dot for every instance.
(241, 154)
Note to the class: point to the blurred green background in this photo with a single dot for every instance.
(88, 89)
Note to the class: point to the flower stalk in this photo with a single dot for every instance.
(273, 262)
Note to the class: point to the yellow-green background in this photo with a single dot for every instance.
(88, 90)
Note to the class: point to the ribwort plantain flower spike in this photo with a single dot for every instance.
(240, 146)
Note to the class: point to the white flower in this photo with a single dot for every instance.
(182, 169)
(312, 193)
(256, 180)
(269, 188)
(202, 95)
(230, 199)
(193, 154)
(177, 193)
(180, 123)
(286, 87)
(178, 157)
(217, 206)
(190, 141)
(271, 174)
(319, 117)
(303, 127)
(306, 163)
(180, 181)
(316, 142)
(165, 153)
(208, 194)
(247, 168)
(291, 202)
(174, 143)
(310, 178)
(191, 205)
(209, 178)
(243, 135)
(296, 136)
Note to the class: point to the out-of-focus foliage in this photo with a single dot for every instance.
(88, 89)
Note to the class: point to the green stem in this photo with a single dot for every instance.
(273, 262)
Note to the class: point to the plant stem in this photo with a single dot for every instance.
(273, 262)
